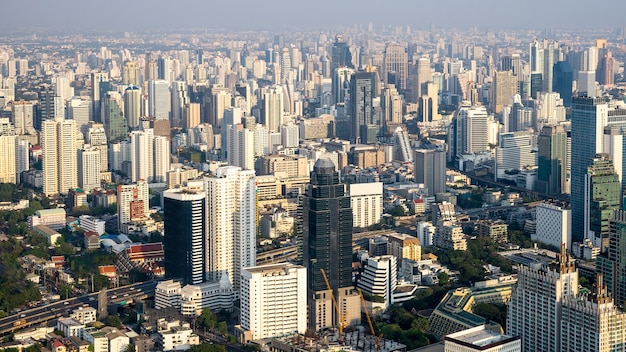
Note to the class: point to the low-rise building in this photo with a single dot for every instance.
(53, 218)
(178, 338)
(91, 223)
(481, 338)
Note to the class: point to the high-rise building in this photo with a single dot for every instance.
(22, 158)
(50, 106)
(602, 198)
(430, 170)
(22, 116)
(612, 264)
(552, 160)
(562, 81)
(97, 139)
(589, 117)
(132, 106)
(340, 54)
(391, 103)
(142, 155)
(80, 110)
(273, 108)
(504, 86)
(366, 201)
(231, 229)
(99, 85)
(113, 116)
(471, 130)
(543, 55)
(130, 73)
(58, 138)
(395, 65)
(192, 115)
(159, 99)
(273, 300)
(88, 168)
(161, 150)
(341, 83)
(380, 277)
(587, 84)
(361, 106)
(429, 103)
(326, 243)
(553, 225)
(536, 305)
(179, 101)
(605, 74)
(132, 202)
(8, 148)
(184, 241)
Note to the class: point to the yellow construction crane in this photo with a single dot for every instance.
(369, 321)
(342, 321)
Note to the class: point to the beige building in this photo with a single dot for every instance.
(404, 246)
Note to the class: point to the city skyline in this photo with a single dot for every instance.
(72, 15)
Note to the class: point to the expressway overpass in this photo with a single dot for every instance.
(49, 312)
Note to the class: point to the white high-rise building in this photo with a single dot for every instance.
(119, 152)
(22, 116)
(240, 149)
(133, 202)
(59, 156)
(290, 135)
(159, 99)
(515, 152)
(142, 155)
(231, 208)
(89, 168)
(179, 100)
(366, 201)
(132, 106)
(161, 159)
(535, 309)
(96, 138)
(273, 300)
(472, 133)
(261, 141)
(22, 158)
(273, 108)
(8, 162)
(81, 111)
(380, 277)
(553, 225)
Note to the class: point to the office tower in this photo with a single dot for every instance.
(232, 116)
(515, 152)
(603, 194)
(164, 68)
(161, 159)
(22, 113)
(273, 300)
(587, 83)
(240, 149)
(612, 264)
(326, 243)
(290, 135)
(422, 73)
(133, 202)
(273, 108)
(391, 103)
(8, 148)
(543, 55)
(535, 309)
(63, 89)
(242, 89)
(50, 106)
(192, 115)
(220, 100)
(512, 63)
(113, 116)
(563, 78)
(605, 74)
(614, 146)
(429, 104)
(430, 170)
(179, 100)
(88, 168)
(589, 117)
(471, 134)
(80, 110)
(285, 64)
(380, 278)
(402, 145)
(395, 65)
(58, 139)
(97, 139)
(340, 54)
(132, 106)
(366, 201)
(130, 74)
(261, 141)
(341, 83)
(184, 240)
(552, 160)
(159, 99)
(22, 158)
(231, 212)
(99, 85)
(504, 86)
(360, 106)
(142, 155)
(553, 225)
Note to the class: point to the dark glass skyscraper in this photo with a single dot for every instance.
(340, 54)
(562, 81)
(552, 160)
(360, 108)
(184, 241)
(326, 232)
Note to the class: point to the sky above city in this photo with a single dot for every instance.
(135, 15)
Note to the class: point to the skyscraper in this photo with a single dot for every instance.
(340, 53)
(602, 198)
(8, 151)
(130, 73)
(589, 117)
(231, 229)
(240, 149)
(563, 78)
(97, 139)
(391, 103)
(132, 106)
(142, 155)
(327, 242)
(113, 116)
(132, 202)
(179, 100)
(184, 240)
(273, 108)
(360, 108)
(88, 168)
(22, 113)
(504, 86)
(161, 161)
(552, 160)
(58, 139)
(341, 83)
(430, 170)
(159, 99)
(395, 65)
(99, 84)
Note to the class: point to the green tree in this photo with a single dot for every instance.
(114, 321)
(207, 319)
(491, 312)
(203, 347)
(398, 210)
(222, 328)
(444, 278)
(130, 348)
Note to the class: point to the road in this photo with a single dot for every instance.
(42, 314)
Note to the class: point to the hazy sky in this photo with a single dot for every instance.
(123, 15)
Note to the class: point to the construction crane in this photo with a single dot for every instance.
(369, 321)
(342, 321)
